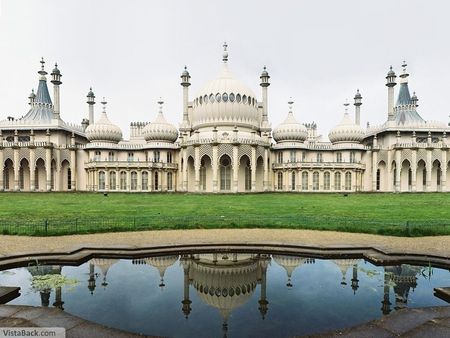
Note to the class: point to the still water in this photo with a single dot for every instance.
(232, 294)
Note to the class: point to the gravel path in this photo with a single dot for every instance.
(438, 245)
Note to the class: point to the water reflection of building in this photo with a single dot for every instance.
(402, 278)
(104, 264)
(161, 263)
(344, 265)
(45, 290)
(290, 263)
(225, 281)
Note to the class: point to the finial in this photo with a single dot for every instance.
(346, 104)
(225, 52)
(42, 71)
(290, 103)
(104, 102)
(160, 102)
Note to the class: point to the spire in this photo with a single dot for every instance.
(346, 104)
(42, 72)
(104, 102)
(290, 103)
(160, 102)
(404, 75)
(225, 53)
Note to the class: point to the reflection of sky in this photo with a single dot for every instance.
(133, 301)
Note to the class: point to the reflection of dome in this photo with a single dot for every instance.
(225, 284)
(290, 263)
(225, 101)
(290, 129)
(344, 265)
(346, 131)
(161, 263)
(104, 131)
(160, 129)
(104, 264)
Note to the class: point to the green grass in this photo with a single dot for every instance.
(25, 213)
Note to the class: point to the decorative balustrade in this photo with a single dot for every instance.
(318, 165)
(93, 163)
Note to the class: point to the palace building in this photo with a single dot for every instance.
(224, 143)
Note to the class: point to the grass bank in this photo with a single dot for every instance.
(65, 213)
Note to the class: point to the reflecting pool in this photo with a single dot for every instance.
(232, 294)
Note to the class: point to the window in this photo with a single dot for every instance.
(238, 98)
(111, 156)
(123, 180)
(348, 181)
(305, 180)
(303, 156)
(337, 181)
(97, 155)
(352, 157)
(319, 157)
(218, 97)
(169, 157)
(424, 177)
(69, 179)
(225, 173)
(232, 97)
(293, 180)
(112, 180)
(133, 180)
(211, 98)
(280, 157)
(6, 179)
(326, 181)
(200, 100)
(205, 98)
(293, 156)
(244, 99)
(130, 157)
(378, 180)
(280, 181)
(438, 176)
(248, 176)
(21, 183)
(315, 180)
(339, 157)
(156, 181)
(202, 175)
(101, 180)
(249, 101)
(225, 97)
(169, 181)
(156, 156)
(144, 180)
(52, 175)
(409, 178)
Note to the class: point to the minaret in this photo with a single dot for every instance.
(91, 101)
(414, 100)
(185, 83)
(265, 127)
(358, 104)
(91, 281)
(390, 84)
(186, 301)
(355, 279)
(32, 97)
(56, 80)
(385, 303)
(263, 297)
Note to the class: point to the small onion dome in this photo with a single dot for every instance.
(55, 70)
(32, 95)
(346, 131)
(391, 72)
(185, 72)
(103, 131)
(264, 72)
(290, 129)
(91, 93)
(160, 129)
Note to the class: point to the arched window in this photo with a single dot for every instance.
(101, 180)
(225, 173)
(133, 180)
(238, 98)
(348, 180)
(248, 176)
(169, 181)
(409, 178)
(378, 179)
(205, 98)
(112, 180)
(52, 175)
(305, 180)
(21, 178)
(202, 175)
(438, 175)
(218, 97)
(424, 178)
(293, 180)
(337, 181)
(244, 99)
(69, 179)
(280, 181)
(316, 180)
(231, 97)
(200, 99)
(326, 180)
(6, 179)
(144, 180)
(156, 181)
(123, 180)
(225, 97)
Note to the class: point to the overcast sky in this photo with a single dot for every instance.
(133, 51)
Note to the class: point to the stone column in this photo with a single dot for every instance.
(32, 169)
(414, 170)
(332, 180)
(150, 180)
(197, 168)
(215, 167)
(266, 170)
(185, 170)
(253, 166)
(298, 180)
(48, 168)
(389, 171)
(139, 180)
(106, 179)
(73, 170)
(164, 180)
(235, 168)
(374, 170)
(58, 170)
(399, 170)
(128, 179)
(444, 170)
(429, 169)
(16, 168)
(2, 165)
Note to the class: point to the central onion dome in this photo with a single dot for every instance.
(290, 129)
(347, 131)
(160, 129)
(103, 130)
(225, 101)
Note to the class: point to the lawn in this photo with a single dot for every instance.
(63, 213)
